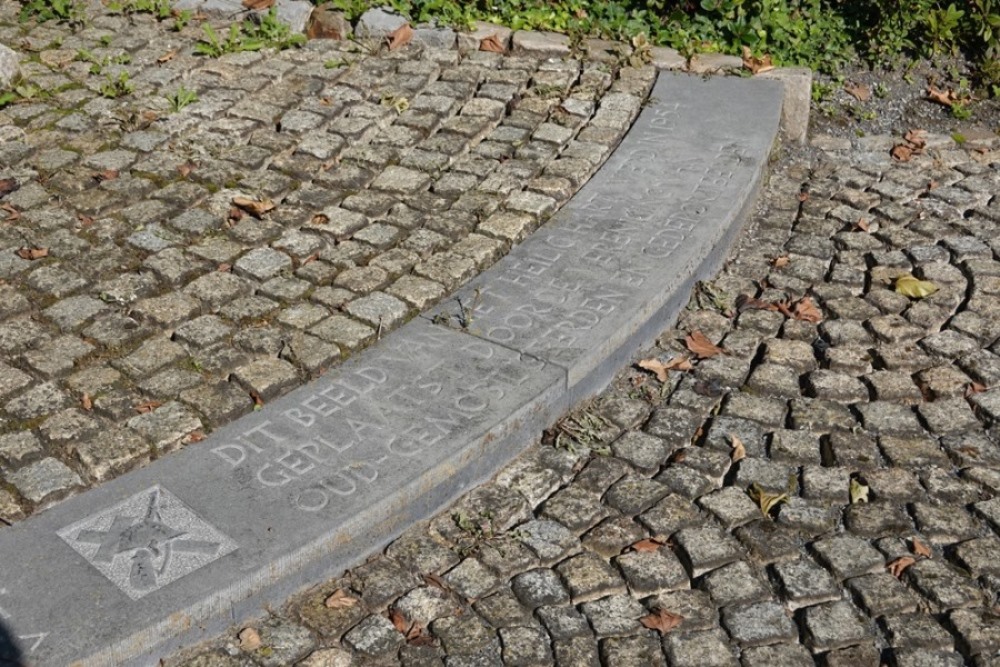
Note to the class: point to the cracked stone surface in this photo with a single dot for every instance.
(870, 421)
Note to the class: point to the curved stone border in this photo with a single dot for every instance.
(305, 487)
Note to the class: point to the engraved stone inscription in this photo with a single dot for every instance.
(147, 541)
(366, 421)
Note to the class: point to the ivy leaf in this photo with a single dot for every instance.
(701, 346)
(859, 492)
(909, 286)
(661, 620)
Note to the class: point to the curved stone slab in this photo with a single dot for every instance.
(310, 484)
(614, 265)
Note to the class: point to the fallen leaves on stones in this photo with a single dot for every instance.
(701, 346)
(739, 449)
(106, 175)
(975, 388)
(436, 581)
(746, 302)
(258, 5)
(661, 620)
(660, 369)
(911, 287)
(249, 639)
(320, 219)
(86, 403)
(340, 600)
(766, 500)
(167, 57)
(858, 492)
(862, 226)
(224, 268)
(491, 44)
(8, 185)
(804, 310)
(12, 213)
(255, 207)
(946, 97)
(913, 144)
(400, 37)
(416, 636)
(258, 402)
(194, 436)
(185, 169)
(902, 152)
(859, 92)
(147, 406)
(898, 566)
(920, 549)
(648, 545)
(85, 220)
(32, 254)
(917, 138)
(754, 64)
(781, 262)
(399, 621)
(311, 258)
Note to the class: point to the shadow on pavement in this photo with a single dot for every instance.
(10, 652)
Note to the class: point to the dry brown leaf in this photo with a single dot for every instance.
(944, 97)
(933, 184)
(249, 639)
(258, 5)
(898, 566)
(918, 138)
(974, 388)
(656, 367)
(167, 57)
(8, 185)
(311, 258)
(701, 346)
(258, 402)
(32, 254)
(400, 37)
(85, 220)
(185, 169)
(862, 226)
(106, 175)
(679, 363)
(147, 406)
(661, 620)
(436, 581)
(416, 636)
(340, 600)
(255, 207)
(902, 153)
(781, 262)
(807, 311)
(739, 449)
(746, 302)
(648, 545)
(195, 436)
(12, 213)
(803, 196)
(86, 403)
(859, 92)
(491, 44)
(754, 64)
(399, 621)
(680, 454)
(921, 549)
(320, 219)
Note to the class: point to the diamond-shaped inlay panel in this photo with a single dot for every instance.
(147, 541)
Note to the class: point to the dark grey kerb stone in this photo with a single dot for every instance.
(295, 493)
(617, 263)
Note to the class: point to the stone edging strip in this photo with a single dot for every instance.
(327, 474)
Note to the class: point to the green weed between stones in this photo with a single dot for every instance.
(822, 34)
(255, 33)
(181, 98)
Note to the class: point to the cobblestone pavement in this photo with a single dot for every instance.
(165, 266)
(635, 532)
